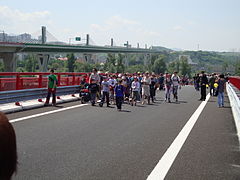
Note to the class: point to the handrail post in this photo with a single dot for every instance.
(17, 81)
(73, 81)
(40, 81)
(59, 79)
(67, 81)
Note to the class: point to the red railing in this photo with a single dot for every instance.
(30, 80)
(235, 80)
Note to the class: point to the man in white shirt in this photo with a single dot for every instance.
(112, 83)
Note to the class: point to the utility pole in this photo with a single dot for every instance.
(111, 42)
(87, 40)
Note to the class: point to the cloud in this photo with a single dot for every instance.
(14, 20)
(178, 28)
(122, 28)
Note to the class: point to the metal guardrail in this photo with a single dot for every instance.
(234, 97)
(29, 94)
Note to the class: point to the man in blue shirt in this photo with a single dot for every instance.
(119, 91)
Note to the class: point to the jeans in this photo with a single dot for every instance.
(93, 98)
(105, 94)
(203, 92)
(220, 99)
(53, 92)
(119, 101)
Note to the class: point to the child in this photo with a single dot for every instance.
(119, 91)
(93, 88)
(105, 91)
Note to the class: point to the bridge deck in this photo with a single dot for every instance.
(101, 143)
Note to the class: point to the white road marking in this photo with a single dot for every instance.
(46, 113)
(163, 166)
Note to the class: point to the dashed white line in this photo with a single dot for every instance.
(163, 166)
(46, 113)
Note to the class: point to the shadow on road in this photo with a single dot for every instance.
(125, 111)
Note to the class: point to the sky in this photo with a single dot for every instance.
(212, 25)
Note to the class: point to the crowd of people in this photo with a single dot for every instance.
(216, 84)
(131, 88)
(140, 87)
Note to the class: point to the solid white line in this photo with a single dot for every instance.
(46, 113)
(163, 166)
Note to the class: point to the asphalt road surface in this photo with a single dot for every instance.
(94, 143)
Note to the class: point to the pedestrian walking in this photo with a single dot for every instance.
(175, 84)
(105, 92)
(119, 91)
(221, 89)
(203, 84)
(146, 88)
(93, 89)
(112, 82)
(168, 87)
(211, 84)
(52, 86)
(135, 91)
(152, 87)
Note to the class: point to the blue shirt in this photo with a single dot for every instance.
(119, 90)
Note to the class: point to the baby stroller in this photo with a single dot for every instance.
(84, 95)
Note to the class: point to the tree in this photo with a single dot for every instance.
(1, 67)
(171, 67)
(159, 65)
(185, 67)
(71, 61)
(225, 66)
(31, 63)
(237, 69)
(119, 65)
(110, 63)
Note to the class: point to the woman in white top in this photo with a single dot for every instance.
(146, 88)
(135, 91)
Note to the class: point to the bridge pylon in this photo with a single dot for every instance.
(9, 61)
(43, 60)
